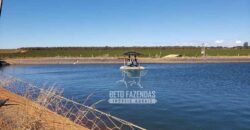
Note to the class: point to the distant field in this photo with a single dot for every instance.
(8, 51)
(118, 51)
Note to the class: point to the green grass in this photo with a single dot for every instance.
(118, 51)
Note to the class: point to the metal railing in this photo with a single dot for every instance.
(81, 114)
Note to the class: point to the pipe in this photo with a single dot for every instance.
(1, 6)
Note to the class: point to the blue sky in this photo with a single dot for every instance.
(31, 23)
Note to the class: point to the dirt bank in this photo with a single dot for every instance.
(3, 63)
(23, 114)
(114, 60)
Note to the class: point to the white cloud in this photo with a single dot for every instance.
(238, 42)
(219, 41)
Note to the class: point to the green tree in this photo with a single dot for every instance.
(245, 45)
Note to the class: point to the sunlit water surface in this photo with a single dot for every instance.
(190, 96)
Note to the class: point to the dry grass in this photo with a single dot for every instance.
(46, 109)
(27, 115)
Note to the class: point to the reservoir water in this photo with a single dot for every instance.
(189, 96)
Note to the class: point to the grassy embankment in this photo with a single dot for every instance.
(117, 51)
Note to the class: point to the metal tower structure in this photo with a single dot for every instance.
(203, 50)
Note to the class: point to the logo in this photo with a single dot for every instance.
(132, 97)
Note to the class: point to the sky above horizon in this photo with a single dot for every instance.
(53, 23)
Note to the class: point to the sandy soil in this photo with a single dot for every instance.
(115, 60)
(24, 114)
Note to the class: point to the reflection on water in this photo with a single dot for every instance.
(132, 77)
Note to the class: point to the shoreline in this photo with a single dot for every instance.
(117, 60)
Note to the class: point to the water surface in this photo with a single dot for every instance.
(190, 96)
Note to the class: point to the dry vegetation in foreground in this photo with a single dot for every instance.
(23, 114)
(46, 109)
